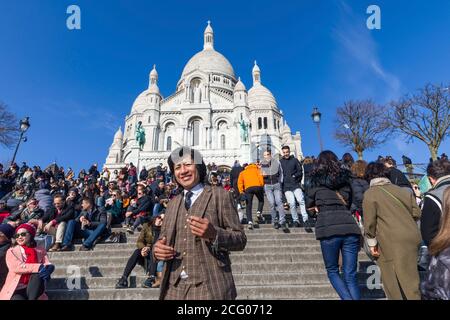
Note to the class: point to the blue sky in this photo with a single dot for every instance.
(78, 86)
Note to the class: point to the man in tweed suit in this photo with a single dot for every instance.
(201, 226)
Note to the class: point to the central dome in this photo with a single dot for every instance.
(209, 61)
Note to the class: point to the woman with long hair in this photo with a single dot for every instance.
(436, 285)
(330, 196)
(28, 267)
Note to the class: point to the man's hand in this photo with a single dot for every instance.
(162, 251)
(374, 251)
(202, 228)
(145, 251)
(48, 226)
(128, 214)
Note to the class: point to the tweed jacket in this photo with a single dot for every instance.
(216, 205)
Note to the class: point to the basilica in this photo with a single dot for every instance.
(210, 110)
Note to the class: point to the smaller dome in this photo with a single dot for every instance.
(209, 29)
(119, 134)
(154, 73)
(260, 96)
(239, 86)
(286, 129)
(256, 68)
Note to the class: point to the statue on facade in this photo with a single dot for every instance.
(244, 131)
(197, 94)
(140, 135)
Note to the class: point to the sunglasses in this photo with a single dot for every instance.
(22, 234)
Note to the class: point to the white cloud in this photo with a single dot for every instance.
(358, 44)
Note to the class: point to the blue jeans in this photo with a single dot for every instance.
(273, 193)
(157, 209)
(349, 245)
(73, 228)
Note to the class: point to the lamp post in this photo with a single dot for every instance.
(316, 116)
(24, 125)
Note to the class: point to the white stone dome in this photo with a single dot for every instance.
(239, 86)
(261, 97)
(209, 61)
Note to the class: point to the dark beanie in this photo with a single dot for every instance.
(7, 230)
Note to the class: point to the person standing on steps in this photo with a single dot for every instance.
(251, 182)
(330, 195)
(200, 227)
(292, 178)
(273, 179)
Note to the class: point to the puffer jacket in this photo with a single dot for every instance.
(250, 177)
(44, 198)
(359, 186)
(334, 217)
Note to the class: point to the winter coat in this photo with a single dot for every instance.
(3, 267)
(144, 206)
(15, 261)
(67, 213)
(96, 217)
(23, 216)
(272, 172)
(234, 176)
(359, 186)
(44, 198)
(436, 285)
(143, 175)
(432, 209)
(145, 238)
(334, 217)
(390, 217)
(250, 177)
(292, 173)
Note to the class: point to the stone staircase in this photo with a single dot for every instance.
(274, 265)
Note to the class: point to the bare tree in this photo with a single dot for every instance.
(361, 125)
(9, 130)
(424, 116)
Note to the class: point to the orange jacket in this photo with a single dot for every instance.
(250, 177)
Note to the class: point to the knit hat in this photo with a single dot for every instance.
(7, 230)
(29, 227)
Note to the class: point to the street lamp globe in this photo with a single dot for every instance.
(316, 115)
(24, 124)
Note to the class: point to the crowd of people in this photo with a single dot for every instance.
(351, 204)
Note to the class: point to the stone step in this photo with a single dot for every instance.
(137, 278)
(128, 251)
(250, 243)
(258, 236)
(244, 257)
(244, 293)
(237, 268)
(297, 292)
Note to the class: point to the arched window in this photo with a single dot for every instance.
(149, 119)
(274, 123)
(195, 133)
(259, 123)
(169, 144)
(278, 125)
(222, 142)
(265, 122)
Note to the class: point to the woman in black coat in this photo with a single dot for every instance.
(330, 195)
(359, 185)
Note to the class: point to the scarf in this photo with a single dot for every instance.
(31, 255)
